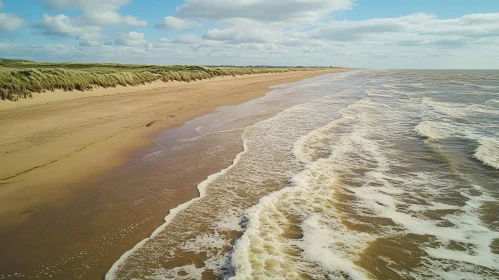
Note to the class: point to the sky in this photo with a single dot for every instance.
(428, 34)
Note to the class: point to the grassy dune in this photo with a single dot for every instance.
(20, 78)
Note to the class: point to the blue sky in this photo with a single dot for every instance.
(351, 33)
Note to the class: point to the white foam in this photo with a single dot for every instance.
(203, 242)
(433, 130)
(393, 88)
(326, 247)
(474, 233)
(376, 93)
(488, 151)
(186, 272)
(229, 221)
(323, 244)
(383, 202)
(443, 129)
(432, 206)
(467, 229)
(449, 109)
(326, 241)
(111, 274)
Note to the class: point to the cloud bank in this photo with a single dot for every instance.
(280, 32)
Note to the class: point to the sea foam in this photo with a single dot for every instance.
(111, 274)
(488, 151)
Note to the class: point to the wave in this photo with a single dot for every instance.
(434, 130)
(444, 108)
(318, 205)
(458, 110)
(325, 187)
(465, 84)
(394, 88)
(493, 102)
(488, 152)
(376, 93)
(111, 274)
(266, 166)
(326, 245)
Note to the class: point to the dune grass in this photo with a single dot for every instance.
(21, 78)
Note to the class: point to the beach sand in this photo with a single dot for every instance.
(57, 153)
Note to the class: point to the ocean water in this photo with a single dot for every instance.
(362, 175)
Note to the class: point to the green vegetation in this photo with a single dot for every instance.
(20, 78)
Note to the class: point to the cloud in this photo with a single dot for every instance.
(356, 30)
(446, 43)
(275, 10)
(480, 18)
(178, 24)
(97, 12)
(188, 39)
(243, 31)
(63, 26)
(449, 43)
(196, 42)
(284, 32)
(90, 43)
(132, 39)
(236, 35)
(162, 43)
(411, 30)
(10, 22)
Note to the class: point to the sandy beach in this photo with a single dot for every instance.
(58, 149)
(53, 141)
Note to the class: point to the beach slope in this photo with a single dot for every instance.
(56, 140)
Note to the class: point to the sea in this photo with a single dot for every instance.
(366, 174)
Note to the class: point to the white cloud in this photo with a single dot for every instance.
(162, 43)
(63, 26)
(10, 22)
(132, 39)
(90, 44)
(351, 31)
(335, 40)
(178, 24)
(275, 10)
(282, 32)
(415, 29)
(237, 35)
(480, 18)
(188, 39)
(97, 12)
(351, 54)
(248, 31)
(196, 42)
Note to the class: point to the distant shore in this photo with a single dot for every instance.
(53, 141)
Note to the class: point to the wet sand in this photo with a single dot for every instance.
(84, 237)
(60, 204)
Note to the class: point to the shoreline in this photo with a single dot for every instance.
(96, 132)
(201, 188)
